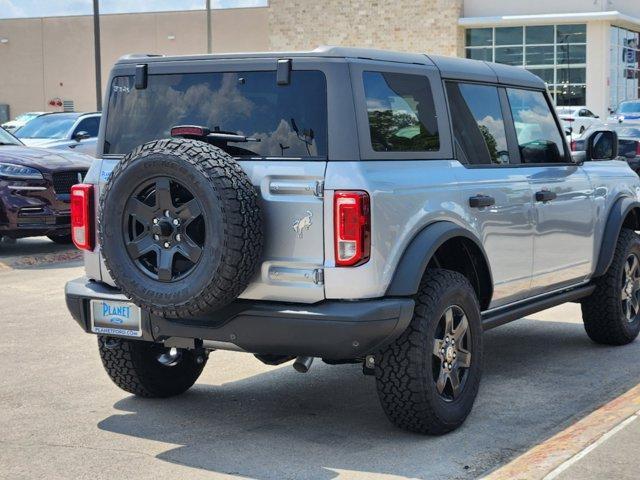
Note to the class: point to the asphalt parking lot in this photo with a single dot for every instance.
(62, 418)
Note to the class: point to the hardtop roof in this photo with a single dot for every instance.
(450, 67)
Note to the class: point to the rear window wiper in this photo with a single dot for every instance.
(196, 131)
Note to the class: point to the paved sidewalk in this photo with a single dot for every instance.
(614, 456)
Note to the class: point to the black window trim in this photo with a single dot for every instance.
(515, 160)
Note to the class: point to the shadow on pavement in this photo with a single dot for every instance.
(538, 377)
(36, 252)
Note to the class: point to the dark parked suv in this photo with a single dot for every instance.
(34, 189)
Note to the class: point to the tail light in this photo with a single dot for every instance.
(568, 119)
(82, 216)
(638, 149)
(573, 146)
(352, 227)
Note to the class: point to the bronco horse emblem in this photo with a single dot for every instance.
(302, 224)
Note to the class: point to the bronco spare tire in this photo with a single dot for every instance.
(180, 227)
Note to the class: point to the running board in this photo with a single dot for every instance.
(509, 314)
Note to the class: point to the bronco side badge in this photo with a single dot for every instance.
(302, 224)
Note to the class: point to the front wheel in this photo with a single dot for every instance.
(427, 379)
(149, 369)
(611, 314)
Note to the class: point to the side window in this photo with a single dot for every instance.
(89, 125)
(401, 112)
(478, 126)
(538, 135)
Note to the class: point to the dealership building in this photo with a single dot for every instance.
(588, 51)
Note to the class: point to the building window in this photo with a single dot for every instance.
(624, 76)
(556, 53)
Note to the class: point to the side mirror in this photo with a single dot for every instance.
(596, 116)
(602, 145)
(82, 135)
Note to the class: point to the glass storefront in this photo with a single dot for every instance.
(624, 76)
(556, 53)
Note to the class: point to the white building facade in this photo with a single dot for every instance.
(587, 51)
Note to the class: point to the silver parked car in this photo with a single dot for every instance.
(62, 130)
(354, 205)
(20, 121)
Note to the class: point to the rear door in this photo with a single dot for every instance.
(285, 110)
(495, 191)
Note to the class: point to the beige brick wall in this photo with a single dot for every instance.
(428, 26)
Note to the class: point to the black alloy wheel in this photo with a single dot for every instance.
(163, 229)
(631, 288)
(451, 352)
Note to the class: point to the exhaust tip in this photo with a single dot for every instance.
(303, 364)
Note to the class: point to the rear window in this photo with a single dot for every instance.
(288, 120)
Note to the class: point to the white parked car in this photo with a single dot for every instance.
(20, 121)
(62, 131)
(576, 119)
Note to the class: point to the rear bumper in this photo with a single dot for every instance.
(330, 329)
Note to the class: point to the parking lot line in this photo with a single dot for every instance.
(550, 458)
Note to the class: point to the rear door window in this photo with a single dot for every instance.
(478, 126)
(401, 112)
(287, 120)
(539, 138)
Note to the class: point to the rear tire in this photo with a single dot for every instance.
(409, 371)
(611, 314)
(134, 366)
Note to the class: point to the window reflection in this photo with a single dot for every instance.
(288, 120)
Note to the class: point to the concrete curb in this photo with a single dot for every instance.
(545, 458)
(31, 261)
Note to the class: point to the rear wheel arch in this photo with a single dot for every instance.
(625, 213)
(447, 246)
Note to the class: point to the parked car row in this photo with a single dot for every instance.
(58, 130)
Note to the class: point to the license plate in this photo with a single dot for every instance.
(115, 318)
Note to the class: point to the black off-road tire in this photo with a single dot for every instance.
(602, 311)
(134, 367)
(403, 370)
(61, 239)
(230, 209)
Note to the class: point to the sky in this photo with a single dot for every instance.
(50, 8)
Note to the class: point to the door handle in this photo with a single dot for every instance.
(545, 196)
(479, 201)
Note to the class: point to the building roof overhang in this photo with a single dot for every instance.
(547, 18)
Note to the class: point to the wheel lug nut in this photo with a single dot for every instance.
(156, 237)
(167, 244)
(167, 213)
(454, 354)
(179, 237)
(176, 222)
(155, 221)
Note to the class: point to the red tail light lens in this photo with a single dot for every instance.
(189, 131)
(352, 227)
(574, 146)
(82, 216)
(638, 149)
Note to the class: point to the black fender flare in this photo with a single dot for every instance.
(413, 263)
(615, 220)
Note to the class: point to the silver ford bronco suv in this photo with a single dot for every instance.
(352, 205)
